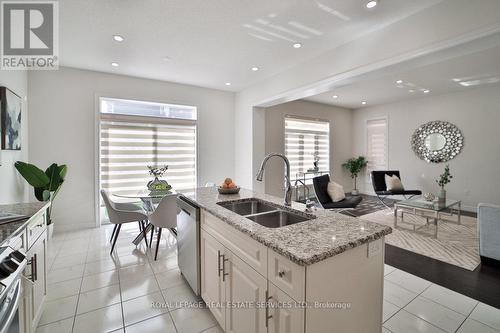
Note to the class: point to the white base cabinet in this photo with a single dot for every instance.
(34, 283)
(251, 289)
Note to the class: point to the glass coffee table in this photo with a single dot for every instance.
(431, 211)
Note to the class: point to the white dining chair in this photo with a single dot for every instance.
(119, 216)
(164, 216)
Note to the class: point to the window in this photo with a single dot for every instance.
(305, 140)
(136, 134)
(376, 145)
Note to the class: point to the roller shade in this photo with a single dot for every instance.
(128, 144)
(376, 146)
(305, 139)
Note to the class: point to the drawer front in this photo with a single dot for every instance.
(286, 275)
(246, 248)
(18, 242)
(36, 227)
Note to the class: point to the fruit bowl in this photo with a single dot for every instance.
(223, 190)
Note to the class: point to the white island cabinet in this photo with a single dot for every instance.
(250, 288)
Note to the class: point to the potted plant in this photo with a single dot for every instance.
(444, 178)
(46, 183)
(354, 166)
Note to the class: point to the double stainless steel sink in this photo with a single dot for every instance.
(266, 213)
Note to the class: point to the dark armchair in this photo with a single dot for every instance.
(320, 188)
(380, 187)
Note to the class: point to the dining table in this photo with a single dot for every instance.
(148, 198)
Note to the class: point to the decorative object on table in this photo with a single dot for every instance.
(429, 197)
(10, 115)
(46, 184)
(354, 166)
(316, 162)
(444, 179)
(228, 187)
(437, 141)
(158, 185)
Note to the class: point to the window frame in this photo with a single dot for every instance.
(98, 97)
(367, 120)
(293, 177)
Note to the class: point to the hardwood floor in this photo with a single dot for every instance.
(482, 284)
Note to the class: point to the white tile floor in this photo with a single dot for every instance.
(91, 291)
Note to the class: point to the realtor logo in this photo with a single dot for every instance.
(29, 35)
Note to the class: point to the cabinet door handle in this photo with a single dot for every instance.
(32, 262)
(219, 269)
(281, 274)
(268, 316)
(34, 268)
(224, 259)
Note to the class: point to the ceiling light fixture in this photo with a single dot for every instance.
(228, 83)
(118, 38)
(335, 96)
(411, 91)
(371, 4)
(297, 45)
(115, 64)
(426, 91)
(399, 81)
(364, 103)
(255, 69)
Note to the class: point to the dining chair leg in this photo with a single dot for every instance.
(116, 237)
(151, 237)
(144, 233)
(113, 234)
(158, 242)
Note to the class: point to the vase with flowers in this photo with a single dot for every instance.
(444, 179)
(158, 185)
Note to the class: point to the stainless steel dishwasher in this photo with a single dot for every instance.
(188, 243)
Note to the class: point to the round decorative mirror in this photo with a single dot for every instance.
(437, 141)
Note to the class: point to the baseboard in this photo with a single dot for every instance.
(65, 227)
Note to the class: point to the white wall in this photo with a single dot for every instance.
(448, 23)
(13, 187)
(340, 139)
(476, 112)
(62, 130)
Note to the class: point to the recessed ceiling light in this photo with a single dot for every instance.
(297, 45)
(399, 81)
(426, 91)
(364, 103)
(411, 91)
(228, 83)
(118, 38)
(255, 69)
(115, 64)
(335, 96)
(371, 4)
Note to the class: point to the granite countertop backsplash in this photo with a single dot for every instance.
(304, 243)
(10, 229)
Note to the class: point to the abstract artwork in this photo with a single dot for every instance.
(10, 118)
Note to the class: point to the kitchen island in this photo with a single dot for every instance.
(319, 275)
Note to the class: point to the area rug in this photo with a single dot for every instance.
(456, 244)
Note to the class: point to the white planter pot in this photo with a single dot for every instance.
(442, 196)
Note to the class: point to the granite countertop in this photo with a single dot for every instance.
(10, 229)
(304, 243)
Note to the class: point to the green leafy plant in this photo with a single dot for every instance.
(46, 183)
(354, 166)
(445, 177)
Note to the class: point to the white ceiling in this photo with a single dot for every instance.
(213, 42)
(462, 71)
